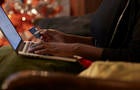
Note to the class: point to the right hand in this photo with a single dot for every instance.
(51, 35)
(54, 48)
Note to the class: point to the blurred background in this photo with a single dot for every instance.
(23, 13)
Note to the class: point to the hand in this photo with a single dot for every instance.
(52, 35)
(1, 2)
(53, 48)
(66, 49)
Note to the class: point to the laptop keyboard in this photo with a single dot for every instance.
(27, 46)
(26, 52)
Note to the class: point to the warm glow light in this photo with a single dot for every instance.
(22, 14)
(34, 11)
(23, 18)
(29, 1)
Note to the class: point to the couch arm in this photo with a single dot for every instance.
(42, 80)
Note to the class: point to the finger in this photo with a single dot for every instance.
(38, 43)
(32, 49)
(42, 38)
(42, 51)
(41, 31)
(36, 46)
(46, 35)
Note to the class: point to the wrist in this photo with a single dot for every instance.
(77, 49)
(68, 38)
(87, 51)
(81, 49)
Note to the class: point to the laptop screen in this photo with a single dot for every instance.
(8, 30)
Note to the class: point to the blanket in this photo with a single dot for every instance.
(123, 71)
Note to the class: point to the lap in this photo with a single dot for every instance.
(11, 63)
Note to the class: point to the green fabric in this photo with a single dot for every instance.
(11, 63)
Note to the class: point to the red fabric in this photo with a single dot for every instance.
(85, 62)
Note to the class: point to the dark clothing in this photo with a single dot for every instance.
(125, 45)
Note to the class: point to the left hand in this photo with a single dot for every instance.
(52, 35)
(53, 48)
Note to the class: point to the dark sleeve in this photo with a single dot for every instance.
(104, 20)
(132, 53)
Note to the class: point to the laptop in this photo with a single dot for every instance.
(18, 44)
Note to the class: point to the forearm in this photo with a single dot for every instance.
(87, 51)
(78, 39)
